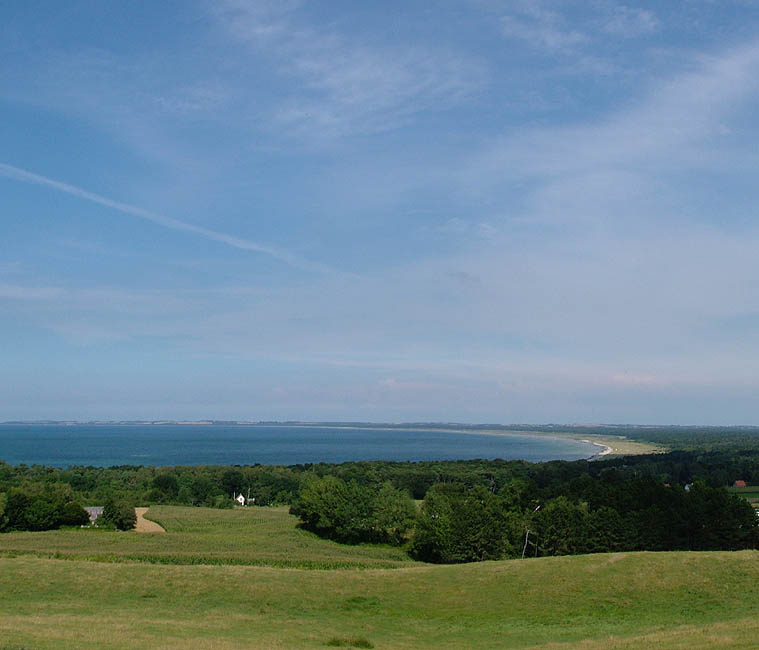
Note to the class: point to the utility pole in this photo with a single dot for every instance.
(527, 537)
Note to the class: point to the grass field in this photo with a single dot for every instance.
(627, 600)
(246, 536)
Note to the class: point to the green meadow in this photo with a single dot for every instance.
(246, 536)
(156, 591)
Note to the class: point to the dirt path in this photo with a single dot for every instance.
(145, 526)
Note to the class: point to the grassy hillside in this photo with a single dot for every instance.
(247, 536)
(627, 600)
(669, 600)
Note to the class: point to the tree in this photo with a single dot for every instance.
(608, 531)
(333, 508)
(562, 527)
(119, 514)
(3, 518)
(202, 489)
(16, 504)
(73, 514)
(41, 514)
(433, 534)
(166, 483)
(394, 514)
(460, 524)
(232, 480)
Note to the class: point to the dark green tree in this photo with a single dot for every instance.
(394, 514)
(42, 514)
(16, 505)
(72, 514)
(119, 514)
(232, 480)
(460, 524)
(333, 508)
(167, 484)
(562, 528)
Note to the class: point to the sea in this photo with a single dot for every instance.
(107, 445)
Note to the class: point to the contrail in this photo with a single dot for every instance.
(15, 173)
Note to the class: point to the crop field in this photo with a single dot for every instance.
(246, 536)
(750, 493)
(624, 600)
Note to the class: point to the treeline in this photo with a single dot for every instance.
(460, 523)
(470, 510)
(39, 510)
(353, 513)
(34, 509)
(214, 485)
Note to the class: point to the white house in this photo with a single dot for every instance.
(240, 498)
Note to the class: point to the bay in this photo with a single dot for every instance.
(107, 445)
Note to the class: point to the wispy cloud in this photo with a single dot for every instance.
(628, 22)
(350, 86)
(680, 125)
(541, 28)
(545, 27)
(24, 176)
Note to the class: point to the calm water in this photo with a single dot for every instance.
(105, 445)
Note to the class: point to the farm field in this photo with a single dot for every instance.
(625, 600)
(750, 493)
(246, 536)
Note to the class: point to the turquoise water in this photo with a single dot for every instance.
(107, 445)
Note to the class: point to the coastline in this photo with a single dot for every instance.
(612, 446)
(596, 446)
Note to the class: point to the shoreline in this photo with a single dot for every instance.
(601, 446)
(613, 445)
(606, 449)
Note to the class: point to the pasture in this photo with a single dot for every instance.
(624, 600)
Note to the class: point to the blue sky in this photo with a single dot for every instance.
(456, 211)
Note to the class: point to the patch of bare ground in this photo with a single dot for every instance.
(145, 525)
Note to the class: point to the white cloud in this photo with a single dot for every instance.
(350, 86)
(629, 22)
(561, 28)
(594, 167)
(542, 29)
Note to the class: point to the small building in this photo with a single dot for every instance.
(739, 483)
(240, 498)
(94, 512)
